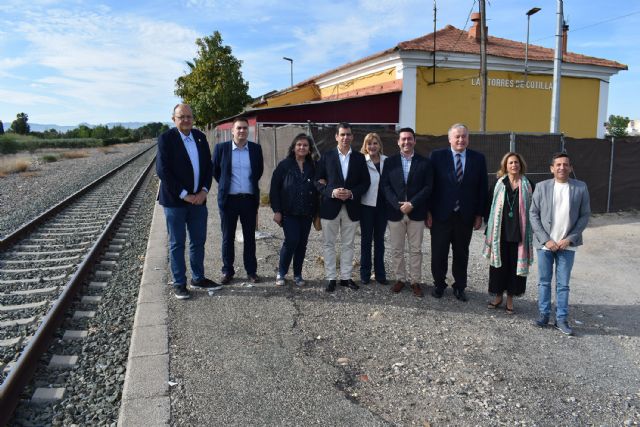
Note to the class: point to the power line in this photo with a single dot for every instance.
(595, 24)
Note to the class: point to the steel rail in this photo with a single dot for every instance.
(25, 228)
(27, 362)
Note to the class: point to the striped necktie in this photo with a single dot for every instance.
(459, 174)
(459, 167)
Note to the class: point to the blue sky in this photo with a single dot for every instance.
(72, 61)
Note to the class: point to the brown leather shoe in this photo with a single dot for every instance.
(417, 291)
(226, 279)
(397, 287)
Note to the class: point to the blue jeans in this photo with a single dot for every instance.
(194, 219)
(296, 234)
(564, 263)
(373, 224)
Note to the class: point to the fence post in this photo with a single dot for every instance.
(613, 145)
(275, 147)
(512, 142)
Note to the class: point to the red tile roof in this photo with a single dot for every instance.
(452, 39)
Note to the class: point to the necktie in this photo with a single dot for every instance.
(456, 208)
(459, 168)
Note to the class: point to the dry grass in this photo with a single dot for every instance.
(106, 150)
(76, 154)
(15, 165)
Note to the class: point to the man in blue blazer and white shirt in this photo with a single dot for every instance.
(456, 208)
(238, 167)
(559, 213)
(341, 179)
(184, 169)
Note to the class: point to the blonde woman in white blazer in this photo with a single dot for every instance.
(373, 217)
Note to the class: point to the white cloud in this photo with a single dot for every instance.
(23, 99)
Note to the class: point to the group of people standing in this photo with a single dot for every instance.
(446, 192)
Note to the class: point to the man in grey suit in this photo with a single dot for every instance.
(559, 214)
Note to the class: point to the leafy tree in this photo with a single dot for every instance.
(20, 124)
(100, 132)
(214, 86)
(1, 128)
(119, 131)
(617, 126)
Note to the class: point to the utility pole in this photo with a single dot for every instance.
(557, 73)
(435, 10)
(483, 68)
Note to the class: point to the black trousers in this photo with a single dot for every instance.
(241, 207)
(455, 233)
(505, 278)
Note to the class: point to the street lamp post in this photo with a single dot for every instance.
(531, 11)
(290, 62)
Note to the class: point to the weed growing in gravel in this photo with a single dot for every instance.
(49, 158)
(8, 166)
(78, 154)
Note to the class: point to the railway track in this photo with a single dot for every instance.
(45, 262)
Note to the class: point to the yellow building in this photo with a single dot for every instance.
(431, 99)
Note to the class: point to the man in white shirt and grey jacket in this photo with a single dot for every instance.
(559, 214)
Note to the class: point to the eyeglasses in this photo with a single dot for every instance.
(184, 117)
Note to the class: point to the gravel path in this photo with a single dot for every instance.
(406, 361)
(23, 196)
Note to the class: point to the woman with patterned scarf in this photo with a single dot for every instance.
(508, 239)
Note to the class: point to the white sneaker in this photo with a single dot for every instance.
(280, 281)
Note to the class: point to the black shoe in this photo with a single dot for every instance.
(460, 294)
(205, 284)
(226, 279)
(349, 284)
(437, 292)
(382, 281)
(181, 292)
(253, 278)
(365, 281)
(331, 286)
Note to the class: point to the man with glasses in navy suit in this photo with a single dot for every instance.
(184, 169)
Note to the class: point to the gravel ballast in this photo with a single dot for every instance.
(298, 356)
(25, 195)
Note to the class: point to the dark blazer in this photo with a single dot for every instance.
(174, 167)
(357, 181)
(417, 189)
(284, 181)
(222, 169)
(472, 192)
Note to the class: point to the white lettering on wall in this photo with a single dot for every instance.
(518, 84)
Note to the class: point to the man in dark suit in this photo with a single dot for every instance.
(237, 167)
(184, 170)
(341, 179)
(407, 181)
(456, 208)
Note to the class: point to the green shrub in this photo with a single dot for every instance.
(49, 158)
(8, 144)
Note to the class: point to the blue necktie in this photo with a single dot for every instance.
(458, 178)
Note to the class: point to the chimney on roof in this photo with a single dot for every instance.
(474, 32)
(565, 31)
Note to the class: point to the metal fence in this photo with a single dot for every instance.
(608, 166)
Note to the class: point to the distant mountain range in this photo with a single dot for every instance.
(37, 127)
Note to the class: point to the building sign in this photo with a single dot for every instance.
(518, 84)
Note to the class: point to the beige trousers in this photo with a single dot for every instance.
(410, 232)
(331, 228)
